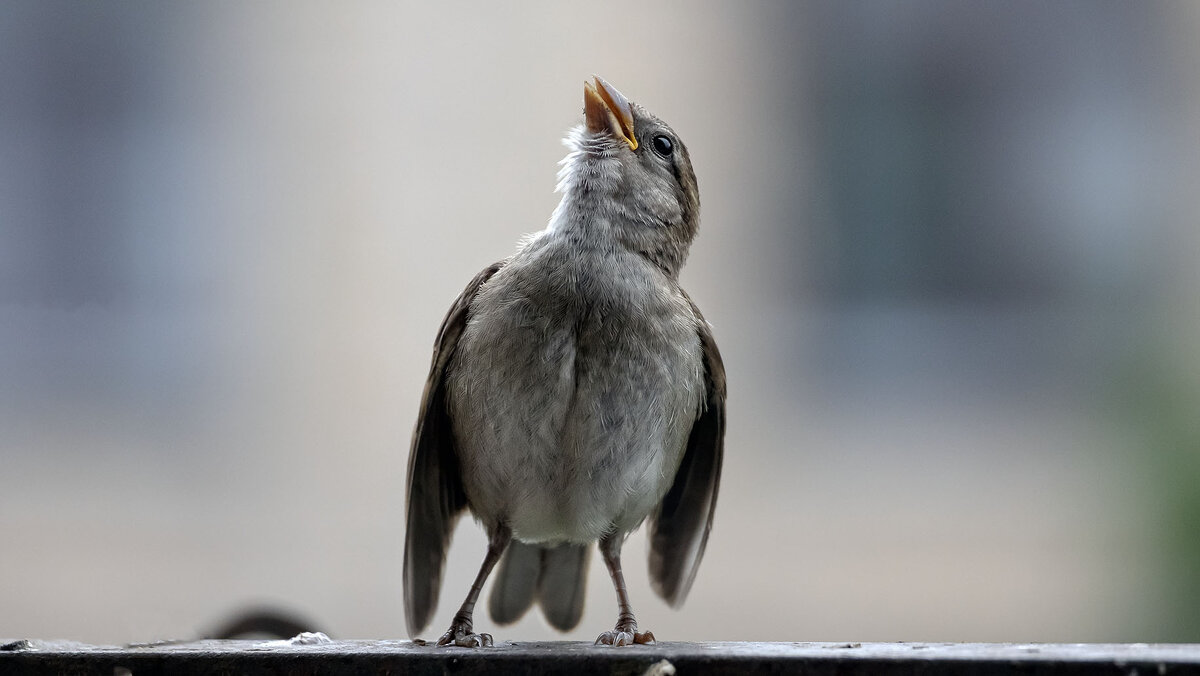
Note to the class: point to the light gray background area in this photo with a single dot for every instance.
(949, 251)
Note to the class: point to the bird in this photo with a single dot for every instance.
(575, 391)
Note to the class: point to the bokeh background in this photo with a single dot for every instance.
(950, 250)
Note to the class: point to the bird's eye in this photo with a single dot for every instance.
(663, 146)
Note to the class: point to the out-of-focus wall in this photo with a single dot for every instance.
(948, 250)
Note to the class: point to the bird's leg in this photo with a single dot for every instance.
(461, 628)
(625, 633)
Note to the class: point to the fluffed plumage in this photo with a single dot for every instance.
(575, 391)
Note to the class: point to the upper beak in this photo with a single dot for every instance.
(606, 109)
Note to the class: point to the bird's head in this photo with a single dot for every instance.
(628, 180)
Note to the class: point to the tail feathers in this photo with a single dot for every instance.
(555, 576)
(516, 582)
(562, 585)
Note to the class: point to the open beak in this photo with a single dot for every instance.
(606, 109)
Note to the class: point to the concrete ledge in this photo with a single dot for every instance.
(312, 654)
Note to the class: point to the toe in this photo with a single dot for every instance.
(463, 637)
(474, 641)
(615, 638)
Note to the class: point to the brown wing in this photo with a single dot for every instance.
(679, 527)
(435, 493)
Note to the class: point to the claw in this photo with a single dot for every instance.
(620, 637)
(614, 638)
(463, 637)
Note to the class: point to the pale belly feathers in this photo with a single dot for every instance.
(572, 401)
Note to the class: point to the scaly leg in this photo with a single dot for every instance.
(625, 633)
(461, 631)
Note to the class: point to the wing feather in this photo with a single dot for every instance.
(680, 525)
(435, 493)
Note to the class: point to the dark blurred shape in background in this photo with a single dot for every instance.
(949, 249)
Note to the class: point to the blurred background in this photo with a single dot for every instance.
(949, 250)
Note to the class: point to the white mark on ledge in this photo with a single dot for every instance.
(304, 638)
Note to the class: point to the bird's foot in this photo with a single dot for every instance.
(460, 634)
(625, 634)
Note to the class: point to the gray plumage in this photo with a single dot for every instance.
(575, 391)
(516, 584)
(555, 577)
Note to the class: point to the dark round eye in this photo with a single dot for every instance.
(662, 145)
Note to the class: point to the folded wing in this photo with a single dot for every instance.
(680, 525)
(435, 493)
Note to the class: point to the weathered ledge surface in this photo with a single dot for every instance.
(317, 654)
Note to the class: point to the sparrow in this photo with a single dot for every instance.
(575, 392)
